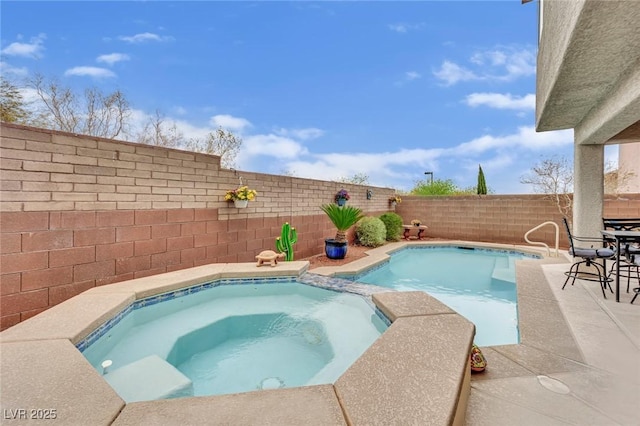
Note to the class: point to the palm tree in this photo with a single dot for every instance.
(343, 218)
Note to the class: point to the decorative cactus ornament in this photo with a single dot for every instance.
(284, 243)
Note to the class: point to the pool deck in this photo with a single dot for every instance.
(577, 362)
(588, 346)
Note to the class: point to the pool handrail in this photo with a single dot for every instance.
(539, 243)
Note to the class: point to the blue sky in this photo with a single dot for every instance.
(315, 89)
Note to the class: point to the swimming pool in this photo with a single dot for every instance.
(232, 338)
(478, 283)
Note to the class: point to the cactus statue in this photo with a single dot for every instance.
(286, 240)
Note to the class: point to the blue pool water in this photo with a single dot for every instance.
(235, 338)
(479, 284)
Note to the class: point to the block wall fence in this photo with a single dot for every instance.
(78, 212)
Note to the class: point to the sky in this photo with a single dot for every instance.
(322, 90)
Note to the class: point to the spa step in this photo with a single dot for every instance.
(148, 379)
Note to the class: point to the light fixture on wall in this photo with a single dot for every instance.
(369, 194)
(431, 175)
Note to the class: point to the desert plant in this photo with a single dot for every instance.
(482, 184)
(342, 218)
(393, 224)
(284, 243)
(371, 231)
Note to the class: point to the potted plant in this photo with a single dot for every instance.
(395, 200)
(241, 196)
(341, 197)
(416, 222)
(342, 218)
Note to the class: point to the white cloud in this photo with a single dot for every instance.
(303, 134)
(403, 166)
(452, 73)
(502, 101)
(503, 63)
(90, 72)
(526, 138)
(230, 122)
(144, 37)
(33, 49)
(6, 68)
(404, 28)
(272, 146)
(408, 77)
(112, 58)
(516, 61)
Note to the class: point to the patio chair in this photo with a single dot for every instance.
(628, 269)
(634, 260)
(589, 257)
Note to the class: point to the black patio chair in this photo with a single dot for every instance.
(634, 260)
(628, 268)
(589, 257)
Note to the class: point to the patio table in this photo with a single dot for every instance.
(621, 237)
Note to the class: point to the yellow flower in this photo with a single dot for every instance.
(241, 193)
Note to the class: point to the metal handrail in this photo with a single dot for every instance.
(539, 243)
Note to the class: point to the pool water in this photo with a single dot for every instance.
(477, 283)
(235, 338)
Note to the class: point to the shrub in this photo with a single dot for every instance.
(371, 231)
(393, 223)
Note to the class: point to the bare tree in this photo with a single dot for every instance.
(553, 177)
(219, 142)
(614, 178)
(356, 179)
(160, 133)
(95, 113)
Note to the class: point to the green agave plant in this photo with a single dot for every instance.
(343, 218)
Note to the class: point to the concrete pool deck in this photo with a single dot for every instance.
(588, 346)
(577, 362)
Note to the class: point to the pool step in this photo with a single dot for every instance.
(148, 379)
(504, 270)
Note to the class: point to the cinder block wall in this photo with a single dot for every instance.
(500, 218)
(78, 211)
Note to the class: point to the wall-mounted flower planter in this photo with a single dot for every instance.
(341, 201)
(241, 204)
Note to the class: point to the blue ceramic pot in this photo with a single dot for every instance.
(335, 249)
(342, 201)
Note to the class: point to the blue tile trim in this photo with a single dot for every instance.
(83, 344)
(356, 277)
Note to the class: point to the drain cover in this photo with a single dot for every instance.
(271, 383)
(553, 385)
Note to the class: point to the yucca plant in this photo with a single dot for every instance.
(343, 218)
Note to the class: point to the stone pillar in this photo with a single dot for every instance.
(588, 190)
